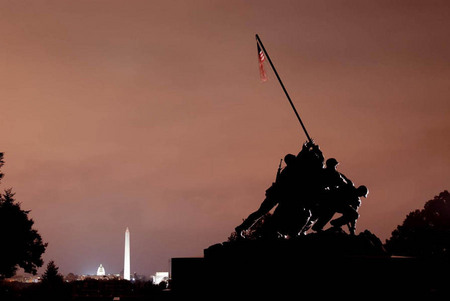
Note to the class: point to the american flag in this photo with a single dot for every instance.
(261, 59)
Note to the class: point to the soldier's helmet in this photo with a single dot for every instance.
(332, 162)
(289, 159)
(362, 191)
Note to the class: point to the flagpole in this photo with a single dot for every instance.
(284, 89)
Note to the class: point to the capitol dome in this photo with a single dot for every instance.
(101, 271)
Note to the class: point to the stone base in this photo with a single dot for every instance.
(322, 265)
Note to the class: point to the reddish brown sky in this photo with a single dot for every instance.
(151, 115)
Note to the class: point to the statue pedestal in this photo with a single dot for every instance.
(324, 265)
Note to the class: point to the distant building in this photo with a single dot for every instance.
(24, 279)
(71, 277)
(160, 277)
(101, 271)
(96, 277)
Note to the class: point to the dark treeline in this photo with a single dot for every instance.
(425, 232)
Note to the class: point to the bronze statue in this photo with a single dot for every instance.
(292, 192)
(307, 195)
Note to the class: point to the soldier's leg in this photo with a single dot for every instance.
(265, 207)
(323, 218)
(305, 221)
(352, 227)
(349, 214)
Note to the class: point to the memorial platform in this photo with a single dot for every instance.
(319, 265)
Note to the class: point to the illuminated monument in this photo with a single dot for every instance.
(101, 271)
(126, 263)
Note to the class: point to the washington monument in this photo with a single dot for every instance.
(126, 263)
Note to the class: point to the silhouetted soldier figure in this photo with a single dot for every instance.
(311, 163)
(335, 187)
(348, 203)
(282, 193)
(294, 191)
(291, 214)
(332, 177)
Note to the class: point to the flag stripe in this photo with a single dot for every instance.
(261, 59)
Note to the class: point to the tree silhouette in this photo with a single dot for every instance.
(1, 164)
(424, 232)
(51, 274)
(52, 285)
(22, 245)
